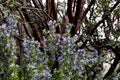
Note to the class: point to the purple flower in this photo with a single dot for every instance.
(92, 60)
(101, 59)
(39, 76)
(14, 24)
(63, 42)
(99, 68)
(69, 44)
(8, 20)
(68, 50)
(95, 69)
(52, 46)
(60, 59)
(115, 79)
(11, 22)
(75, 67)
(75, 62)
(76, 56)
(47, 73)
(3, 26)
(81, 51)
(8, 30)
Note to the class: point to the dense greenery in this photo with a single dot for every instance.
(68, 40)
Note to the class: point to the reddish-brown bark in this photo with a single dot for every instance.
(70, 11)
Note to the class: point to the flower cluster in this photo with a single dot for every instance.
(69, 57)
(61, 51)
(12, 26)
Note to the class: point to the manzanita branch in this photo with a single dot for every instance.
(24, 23)
(112, 68)
(69, 10)
(79, 12)
(84, 14)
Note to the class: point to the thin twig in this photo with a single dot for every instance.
(25, 23)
